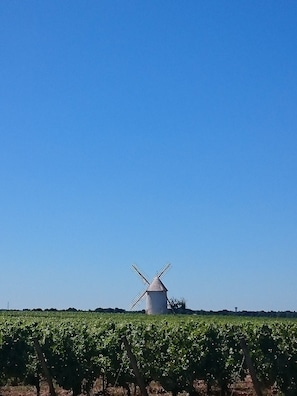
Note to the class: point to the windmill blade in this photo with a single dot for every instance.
(137, 300)
(170, 305)
(140, 274)
(166, 268)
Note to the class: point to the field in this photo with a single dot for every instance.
(175, 353)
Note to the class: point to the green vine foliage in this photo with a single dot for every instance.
(172, 350)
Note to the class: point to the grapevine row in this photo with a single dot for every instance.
(174, 353)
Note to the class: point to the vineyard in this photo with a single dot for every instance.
(173, 351)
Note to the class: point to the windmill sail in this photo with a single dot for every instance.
(156, 293)
(165, 269)
(138, 300)
(140, 274)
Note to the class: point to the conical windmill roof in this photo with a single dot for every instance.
(156, 286)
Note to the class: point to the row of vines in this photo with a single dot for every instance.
(174, 353)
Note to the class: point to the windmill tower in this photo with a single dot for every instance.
(156, 293)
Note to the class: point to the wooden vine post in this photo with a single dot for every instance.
(44, 367)
(250, 366)
(134, 366)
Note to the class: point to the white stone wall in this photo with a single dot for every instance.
(156, 302)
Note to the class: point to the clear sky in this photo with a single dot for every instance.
(148, 132)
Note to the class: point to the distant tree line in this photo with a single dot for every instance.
(178, 307)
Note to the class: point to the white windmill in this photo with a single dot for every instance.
(156, 293)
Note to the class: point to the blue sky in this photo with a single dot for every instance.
(148, 132)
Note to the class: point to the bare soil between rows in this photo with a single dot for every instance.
(243, 388)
